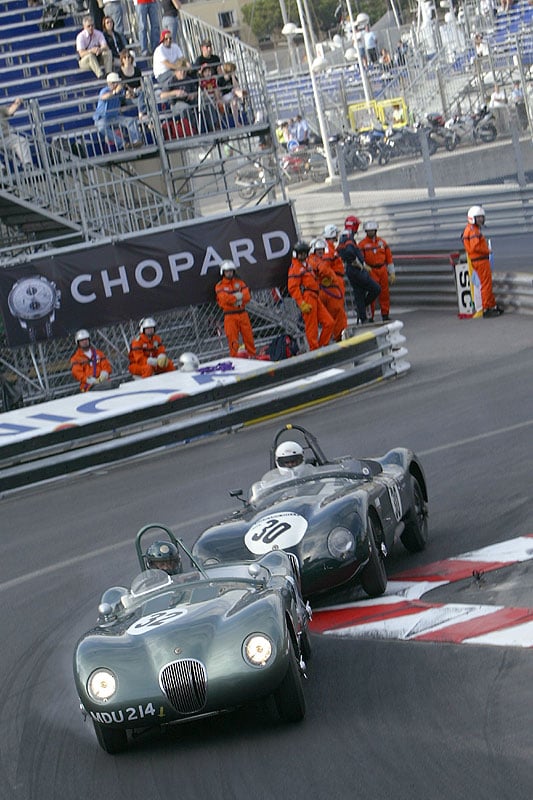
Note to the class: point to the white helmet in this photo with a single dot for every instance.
(473, 212)
(330, 232)
(317, 244)
(226, 266)
(289, 458)
(188, 362)
(82, 334)
(370, 225)
(147, 322)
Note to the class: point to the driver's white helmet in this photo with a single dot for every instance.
(289, 458)
(317, 244)
(473, 212)
(188, 362)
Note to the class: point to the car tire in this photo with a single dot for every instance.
(305, 646)
(415, 535)
(373, 578)
(112, 740)
(289, 696)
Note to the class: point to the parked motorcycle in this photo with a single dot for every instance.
(478, 127)
(250, 180)
(406, 141)
(440, 134)
(355, 158)
(373, 142)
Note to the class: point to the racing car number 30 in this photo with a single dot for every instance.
(282, 530)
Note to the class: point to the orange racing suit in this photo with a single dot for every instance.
(89, 364)
(378, 256)
(304, 289)
(233, 295)
(477, 249)
(143, 348)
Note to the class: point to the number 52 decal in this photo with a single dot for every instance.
(281, 530)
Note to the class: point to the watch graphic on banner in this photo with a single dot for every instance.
(34, 302)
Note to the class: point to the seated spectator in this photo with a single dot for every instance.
(385, 60)
(231, 92)
(147, 16)
(207, 57)
(108, 119)
(165, 58)
(181, 90)
(14, 142)
(89, 365)
(114, 40)
(131, 78)
(113, 9)
(211, 99)
(92, 49)
(147, 352)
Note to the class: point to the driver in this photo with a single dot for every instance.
(165, 556)
(290, 459)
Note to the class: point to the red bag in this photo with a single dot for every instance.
(176, 129)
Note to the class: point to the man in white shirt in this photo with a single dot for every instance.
(166, 54)
(92, 49)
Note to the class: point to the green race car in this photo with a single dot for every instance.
(176, 647)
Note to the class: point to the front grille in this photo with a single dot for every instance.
(185, 684)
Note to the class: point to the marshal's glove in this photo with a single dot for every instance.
(151, 361)
(238, 298)
(91, 381)
(162, 361)
(305, 308)
(104, 375)
(392, 273)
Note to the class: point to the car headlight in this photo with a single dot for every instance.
(257, 649)
(341, 543)
(101, 685)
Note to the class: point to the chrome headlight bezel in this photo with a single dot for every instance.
(102, 685)
(341, 543)
(258, 650)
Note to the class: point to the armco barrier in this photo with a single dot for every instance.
(374, 355)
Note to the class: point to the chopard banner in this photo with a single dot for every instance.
(106, 284)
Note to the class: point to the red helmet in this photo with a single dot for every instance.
(352, 223)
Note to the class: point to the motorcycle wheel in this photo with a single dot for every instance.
(384, 157)
(362, 160)
(247, 192)
(450, 143)
(432, 147)
(486, 134)
(317, 175)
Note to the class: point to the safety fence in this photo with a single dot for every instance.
(365, 359)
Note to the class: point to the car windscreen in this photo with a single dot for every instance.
(304, 487)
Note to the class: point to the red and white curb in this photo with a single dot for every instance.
(401, 614)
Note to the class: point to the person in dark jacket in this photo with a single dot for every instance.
(365, 290)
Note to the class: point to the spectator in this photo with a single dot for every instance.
(166, 56)
(365, 290)
(131, 78)
(171, 17)
(480, 46)
(360, 43)
(377, 255)
(233, 295)
(517, 99)
(114, 40)
(89, 365)
(147, 17)
(498, 98)
(330, 291)
(181, 90)
(398, 116)
(95, 10)
(400, 56)
(478, 252)
(210, 95)
(304, 290)
(92, 49)
(385, 60)
(231, 92)
(371, 46)
(113, 9)
(301, 131)
(147, 352)
(14, 142)
(207, 57)
(108, 119)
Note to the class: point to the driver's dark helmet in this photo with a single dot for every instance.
(165, 556)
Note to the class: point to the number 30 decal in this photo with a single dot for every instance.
(281, 530)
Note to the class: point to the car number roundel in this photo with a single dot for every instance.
(281, 530)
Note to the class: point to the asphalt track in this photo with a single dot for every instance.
(386, 719)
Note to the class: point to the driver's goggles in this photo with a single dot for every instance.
(290, 461)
